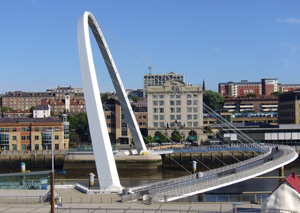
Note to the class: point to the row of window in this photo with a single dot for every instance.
(176, 117)
(175, 102)
(28, 129)
(173, 124)
(175, 96)
(36, 137)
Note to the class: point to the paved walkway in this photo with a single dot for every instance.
(75, 201)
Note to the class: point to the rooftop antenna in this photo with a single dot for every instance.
(150, 68)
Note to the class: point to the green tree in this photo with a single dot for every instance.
(4, 109)
(104, 97)
(176, 137)
(163, 138)
(79, 125)
(251, 95)
(213, 99)
(149, 139)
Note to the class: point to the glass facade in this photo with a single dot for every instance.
(26, 180)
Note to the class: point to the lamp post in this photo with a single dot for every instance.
(52, 175)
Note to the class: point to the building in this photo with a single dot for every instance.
(266, 86)
(32, 134)
(175, 108)
(239, 88)
(41, 111)
(159, 80)
(289, 107)
(17, 114)
(19, 100)
(249, 104)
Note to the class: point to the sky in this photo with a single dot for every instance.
(215, 41)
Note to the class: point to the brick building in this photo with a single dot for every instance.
(33, 134)
(289, 107)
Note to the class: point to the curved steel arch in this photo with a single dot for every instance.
(105, 163)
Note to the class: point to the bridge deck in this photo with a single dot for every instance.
(192, 184)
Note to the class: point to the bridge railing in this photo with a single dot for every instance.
(194, 176)
(190, 188)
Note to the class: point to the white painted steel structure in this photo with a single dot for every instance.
(105, 163)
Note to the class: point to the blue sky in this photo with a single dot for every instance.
(218, 41)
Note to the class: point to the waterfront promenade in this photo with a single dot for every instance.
(74, 201)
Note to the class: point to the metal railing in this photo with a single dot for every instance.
(193, 187)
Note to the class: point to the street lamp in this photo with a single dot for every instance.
(52, 173)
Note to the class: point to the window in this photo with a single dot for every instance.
(14, 146)
(172, 96)
(23, 147)
(195, 102)
(36, 137)
(189, 117)
(161, 110)
(172, 110)
(195, 116)
(178, 96)
(161, 117)
(161, 103)
(178, 117)
(49, 128)
(161, 124)
(189, 102)
(28, 137)
(189, 109)
(56, 137)
(155, 124)
(172, 103)
(23, 138)
(189, 124)
(124, 125)
(188, 96)
(23, 129)
(155, 103)
(195, 96)
(44, 129)
(6, 129)
(195, 123)
(28, 129)
(1, 129)
(36, 147)
(178, 102)
(56, 128)
(172, 117)
(14, 138)
(56, 146)
(155, 110)
(195, 109)
(155, 117)
(178, 110)
(14, 129)
(36, 129)
(154, 96)
(161, 96)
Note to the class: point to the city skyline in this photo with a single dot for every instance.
(217, 42)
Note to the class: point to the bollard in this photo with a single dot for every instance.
(91, 180)
(23, 167)
(194, 166)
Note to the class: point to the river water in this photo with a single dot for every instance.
(134, 177)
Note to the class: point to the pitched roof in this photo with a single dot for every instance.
(294, 181)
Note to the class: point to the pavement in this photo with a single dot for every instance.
(75, 201)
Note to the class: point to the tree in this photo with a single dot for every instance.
(149, 139)
(176, 137)
(79, 125)
(251, 95)
(104, 97)
(163, 138)
(213, 99)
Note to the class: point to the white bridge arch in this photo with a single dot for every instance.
(104, 159)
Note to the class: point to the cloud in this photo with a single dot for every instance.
(288, 20)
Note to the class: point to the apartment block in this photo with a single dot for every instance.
(33, 134)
